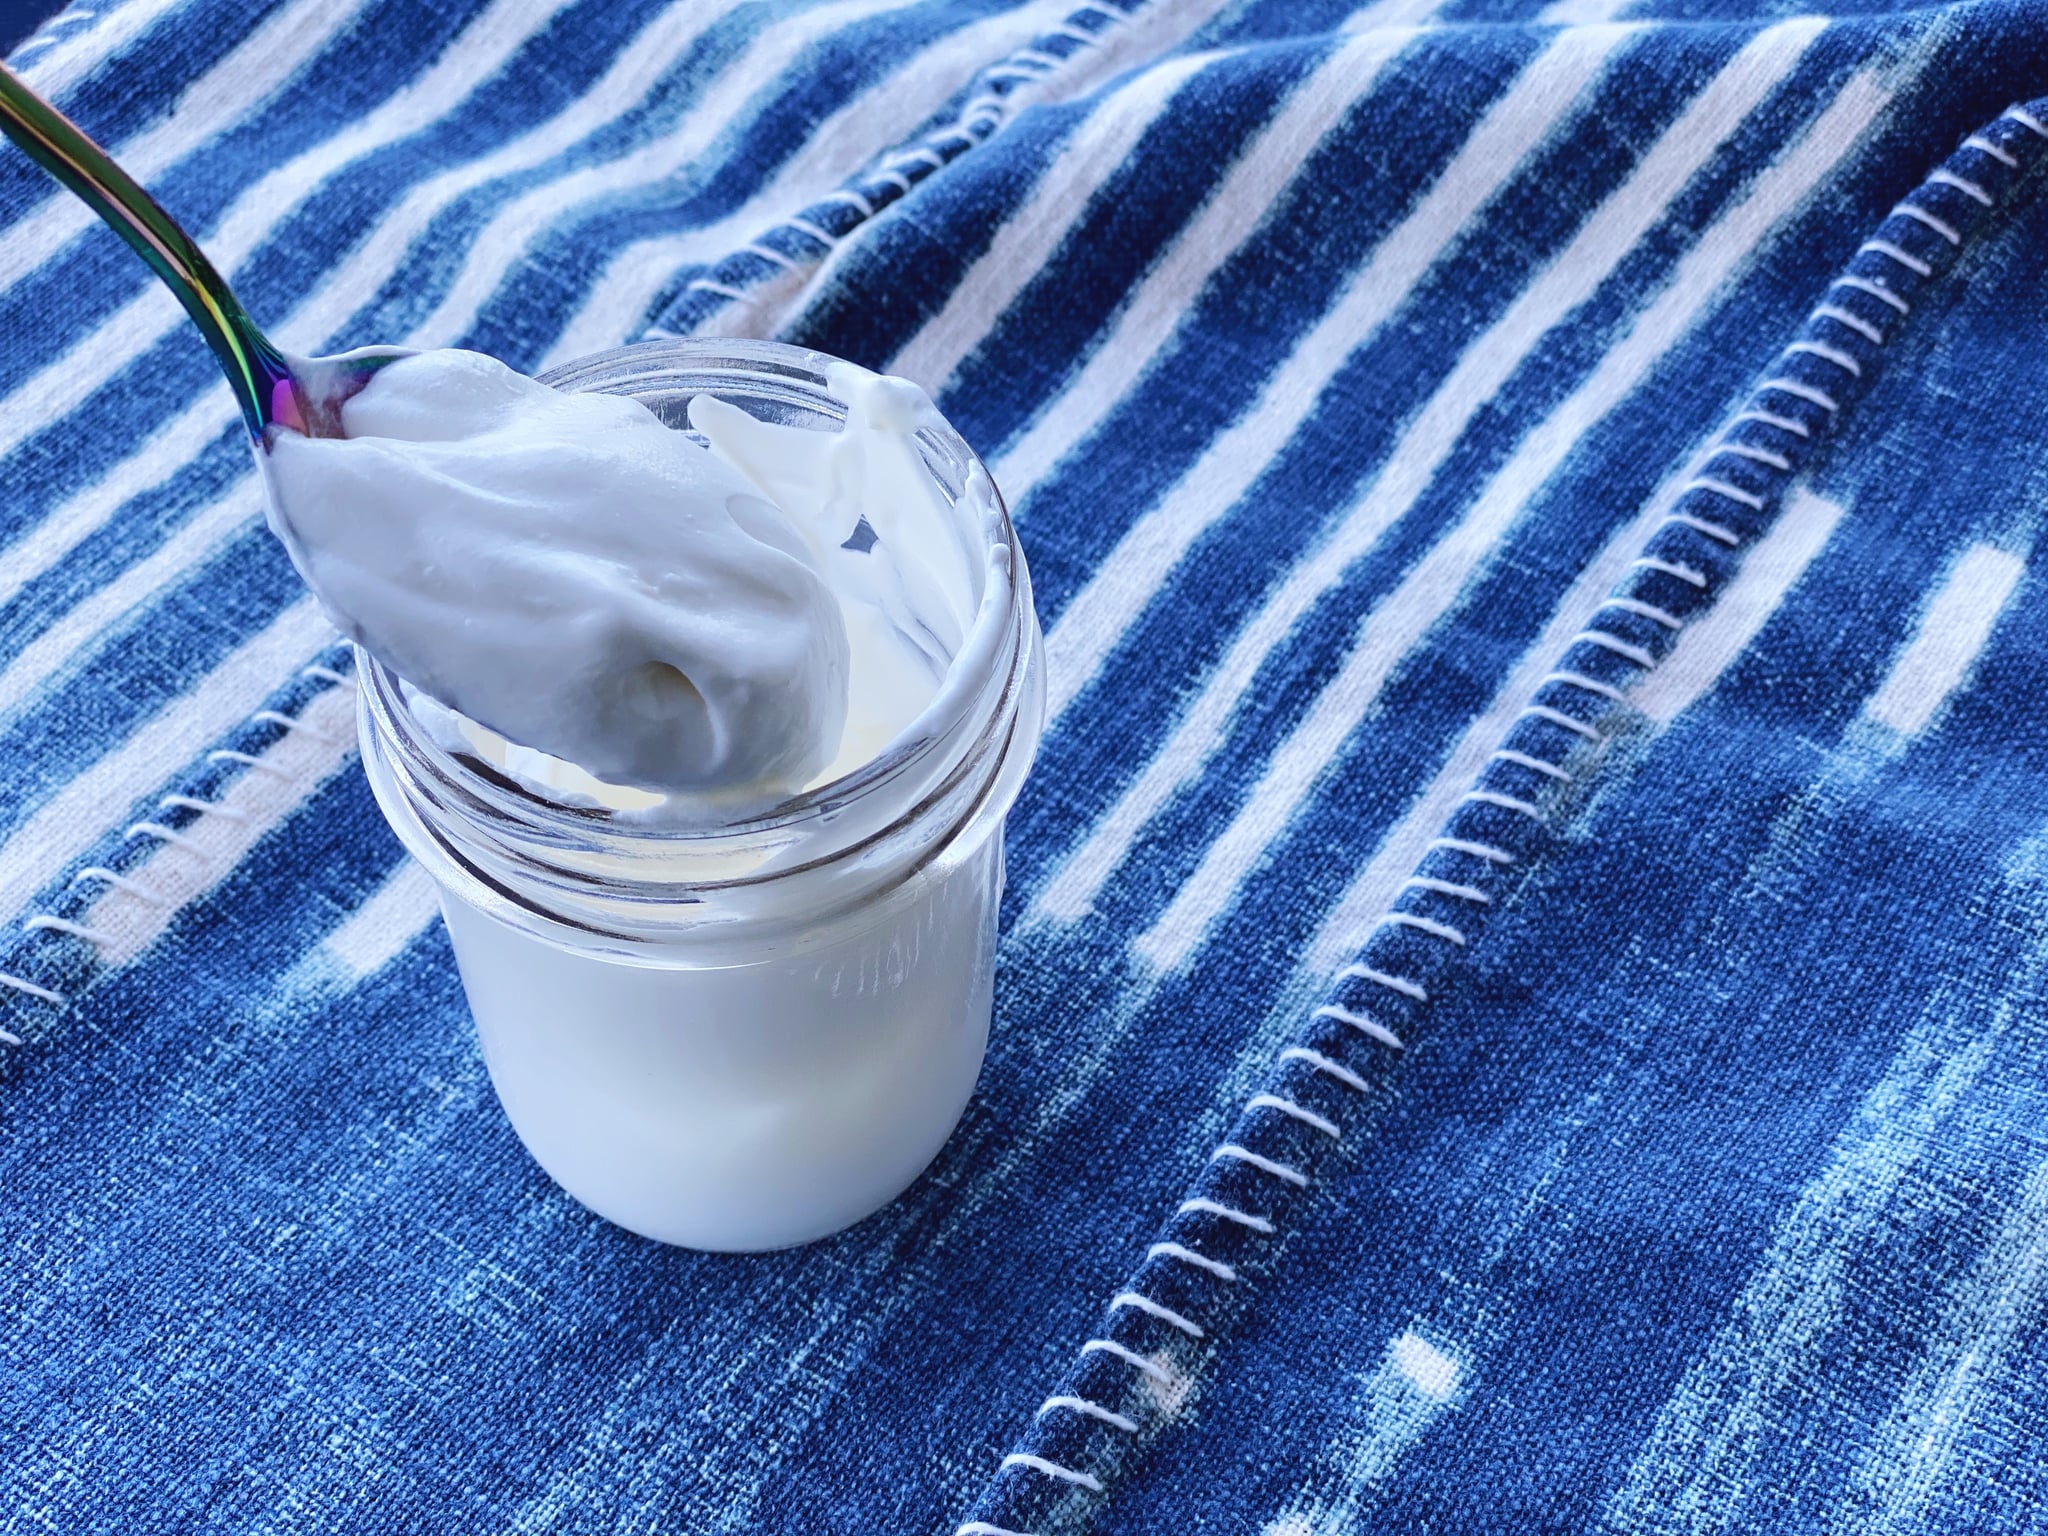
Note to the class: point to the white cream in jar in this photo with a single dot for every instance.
(734, 994)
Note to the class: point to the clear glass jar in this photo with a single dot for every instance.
(751, 1034)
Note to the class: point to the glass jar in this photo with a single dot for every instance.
(753, 1033)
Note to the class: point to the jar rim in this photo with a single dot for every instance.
(550, 855)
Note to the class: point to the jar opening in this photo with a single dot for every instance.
(645, 865)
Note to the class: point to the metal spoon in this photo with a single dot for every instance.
(272, 387)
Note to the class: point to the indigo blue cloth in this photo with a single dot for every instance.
(1524, 997)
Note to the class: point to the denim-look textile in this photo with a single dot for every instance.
(1524, 998)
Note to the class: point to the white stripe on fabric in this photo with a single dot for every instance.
(211, 846)
(93, 803)
(1389, 15)
(1393, 1406)
(1444, 576)
(1580, 13)
(1712, 643)
(515, 226)
(1027, 241)
(1433, 1373)
(1373, 889)
(1237, 206)
(68, 61)
(1144, 43)
(1779, 1335)
(1065, 189)
(38, 551)
(1095, 619)
(1146, 556)
(887, 109)
(1514, 128)
(471, 60)
(378, 931)
(252, 74)
(1954, 1402)
(1952, 632)
(102, 611)
(1139, 39)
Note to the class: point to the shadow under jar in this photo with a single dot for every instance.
(752, 1033)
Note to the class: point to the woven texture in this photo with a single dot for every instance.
(1524, 997)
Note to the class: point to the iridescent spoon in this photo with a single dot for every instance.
(271, 386)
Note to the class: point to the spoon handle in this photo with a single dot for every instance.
(254, 367)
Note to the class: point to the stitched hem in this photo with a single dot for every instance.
(95, 916)
(1154, 1339)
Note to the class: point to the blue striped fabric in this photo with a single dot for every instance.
(1525, 991)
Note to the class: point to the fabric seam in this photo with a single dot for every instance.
(1286, 1137)
(234, 756)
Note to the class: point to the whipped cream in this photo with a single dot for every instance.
(609, 605)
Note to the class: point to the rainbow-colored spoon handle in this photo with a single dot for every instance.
(262, 379)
